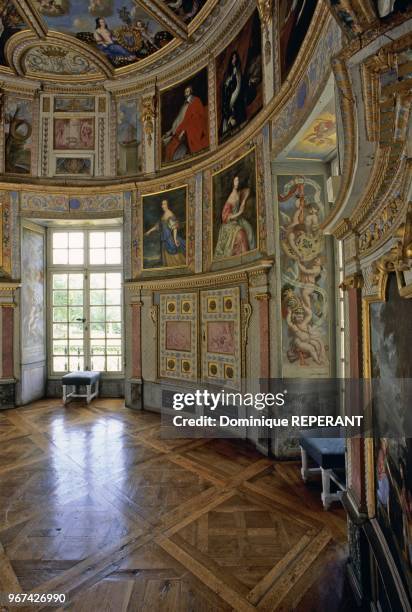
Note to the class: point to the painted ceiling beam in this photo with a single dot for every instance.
(160, 11)
(32, 17)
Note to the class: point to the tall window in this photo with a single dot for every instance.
(85, 277)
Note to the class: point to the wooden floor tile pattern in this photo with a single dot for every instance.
(96, 504)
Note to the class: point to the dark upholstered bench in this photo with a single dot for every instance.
(329, 455)
(81, 379)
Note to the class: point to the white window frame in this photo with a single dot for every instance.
(86, 269)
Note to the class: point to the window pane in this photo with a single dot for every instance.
(60, 256)
(97, 281)
(113, 280)
(59, 364)
(98, 363)
(75, 313)
(76, 281)
(75, 347)
(59, 330)
(60, 298)
(114, 347)
(97, 347)
(76, 330)
(114, 364)
(59, 281)
(113, 313)
(97, 330)
(97, 313)
(96, 297)
(113, 330)
(75, 257)
(76, 363)
(60, 240)
(59, 348)
(113, 240)
(76, 298)
(113, 297)
(60, 314)
(96, 240)
(97, 257)
(113, 256)
(76, 240)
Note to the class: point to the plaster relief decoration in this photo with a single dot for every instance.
(178, 336)
(303, 261)
(32, 204)
(120, 30)
(74, 134)
(185, 9)
(390, 341)
(59, 60)
(18, 135)
(235, 218)
(221, 346)
(11, 23)
(239, 88)
(33, 286)
(129, 138)
(184, 118)
(164, 222)
(319, 140)
(294, 20)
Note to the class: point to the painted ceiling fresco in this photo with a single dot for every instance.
(319, 140)
(185, 9)
(119, 29)
(10, 23)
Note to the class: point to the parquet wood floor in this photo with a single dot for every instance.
(94, 503)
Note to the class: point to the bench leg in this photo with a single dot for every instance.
(64, 394)
(326, 496)
(89, 393)
(97, 388)
(304, 469)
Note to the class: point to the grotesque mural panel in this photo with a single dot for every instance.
(305, 305)
(120, 30)
(165, 229)
(18, 135)
(319, 140)
(129, 138)
(178, 336)
(391, 338)
(74, 134)
(239, 91)
(235, 209)
(184, 118)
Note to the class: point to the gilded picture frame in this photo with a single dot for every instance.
(162, 92)
(155, 198)
(230, 169)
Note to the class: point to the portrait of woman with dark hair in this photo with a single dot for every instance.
(233, 95)
(107, 43)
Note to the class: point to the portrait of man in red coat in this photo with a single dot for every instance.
(189, 132)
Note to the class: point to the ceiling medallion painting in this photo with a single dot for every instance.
(120, 30)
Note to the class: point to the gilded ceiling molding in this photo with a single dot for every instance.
(31, 16)
(265, 8)
(386, 94)
(160, 11)
(348, 114)
(59, 52)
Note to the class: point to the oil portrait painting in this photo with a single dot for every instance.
(235, 209)
(164, 229)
